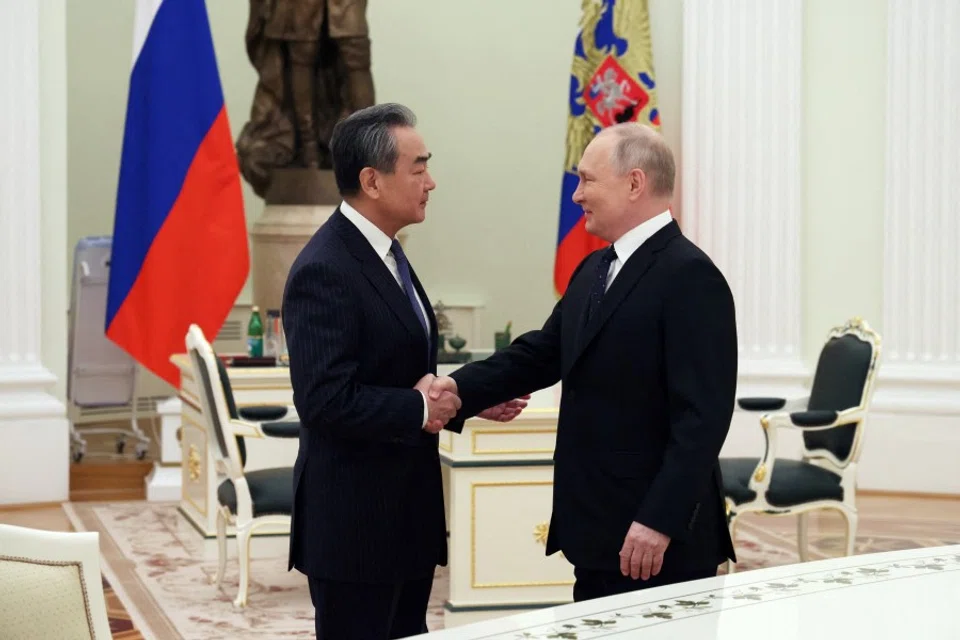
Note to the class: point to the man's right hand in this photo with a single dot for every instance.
(442, 405)
(503, 412)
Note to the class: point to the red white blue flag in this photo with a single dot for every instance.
(179, 251)
(611, 81)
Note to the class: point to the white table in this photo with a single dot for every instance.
(902, 594)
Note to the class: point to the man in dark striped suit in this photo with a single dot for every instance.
(368, 521)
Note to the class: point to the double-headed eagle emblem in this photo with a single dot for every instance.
(612, 73)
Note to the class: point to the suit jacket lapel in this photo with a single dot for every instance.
(630, 274)
(377, 272)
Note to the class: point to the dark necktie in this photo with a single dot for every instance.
(599, 284)
(404, 268)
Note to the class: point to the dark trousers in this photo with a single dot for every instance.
(354, 611)
(593, 583)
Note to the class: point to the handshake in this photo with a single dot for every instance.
(443, 403)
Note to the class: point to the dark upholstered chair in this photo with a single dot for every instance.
(249, 500)
(832, 421)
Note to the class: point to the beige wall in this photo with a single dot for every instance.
(489, 85)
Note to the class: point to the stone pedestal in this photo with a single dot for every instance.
(277, 238)
(298, 202)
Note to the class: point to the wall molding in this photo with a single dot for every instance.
(917, 390)
(741, 170)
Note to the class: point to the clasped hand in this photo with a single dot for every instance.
(443, 403)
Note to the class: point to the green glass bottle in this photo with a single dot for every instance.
(255, 334)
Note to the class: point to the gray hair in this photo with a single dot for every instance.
(641, 147)
(365, 139)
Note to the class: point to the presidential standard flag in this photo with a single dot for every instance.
(180, 238)
(611, 81)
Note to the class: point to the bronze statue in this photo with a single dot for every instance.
(313, 62)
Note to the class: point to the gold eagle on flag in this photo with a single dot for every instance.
(611, 81)
(612, 73)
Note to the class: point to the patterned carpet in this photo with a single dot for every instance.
(164, 567)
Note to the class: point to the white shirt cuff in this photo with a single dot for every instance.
(426, 413)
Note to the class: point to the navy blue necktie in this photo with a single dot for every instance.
(599, 284)
(403, 266)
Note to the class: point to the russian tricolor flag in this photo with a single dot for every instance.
(180, 251)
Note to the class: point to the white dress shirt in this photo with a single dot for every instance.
(382, 245)
(633, 240)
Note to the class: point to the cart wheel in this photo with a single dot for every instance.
(77, 456)
(141, 451)
(121, 443)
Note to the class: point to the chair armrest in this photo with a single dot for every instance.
(820, 418)
(815, 420)
(761, 404)
(246, 429)
(289, 429)
(764, 404)
(263, 414)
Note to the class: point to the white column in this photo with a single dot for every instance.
(741, 170)
(34, 456)
(920, 372)
(921, 307)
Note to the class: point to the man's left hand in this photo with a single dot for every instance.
(642, 552)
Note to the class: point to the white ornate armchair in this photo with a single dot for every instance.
(50, 585)
(248, 499)
(831, 420)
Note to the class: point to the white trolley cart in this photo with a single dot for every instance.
(99, 373)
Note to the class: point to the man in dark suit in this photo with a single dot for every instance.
(368, 520)
(644, 342)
